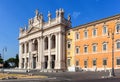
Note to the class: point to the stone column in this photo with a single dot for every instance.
(20, 56)
(56, 50)
(63, 51)
(41, 53)
(30, 54)
(25, 55)
(60, 51)
(38, 57)
(49, 52)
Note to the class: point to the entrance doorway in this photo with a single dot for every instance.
(46, 62)
(23, 62)
(34, 62)
(26, 62)
(52, 61)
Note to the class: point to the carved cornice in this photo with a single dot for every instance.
(97, 22)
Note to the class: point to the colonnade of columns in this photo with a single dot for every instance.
(35, 59)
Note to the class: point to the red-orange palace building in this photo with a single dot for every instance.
(91, 46)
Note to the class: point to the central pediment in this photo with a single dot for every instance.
(32, 30)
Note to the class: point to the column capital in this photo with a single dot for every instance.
(56, 33)
(63, 33)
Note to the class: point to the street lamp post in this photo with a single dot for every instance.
(4, 50)
(112, 37)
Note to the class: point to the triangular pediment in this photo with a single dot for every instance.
(32, 29)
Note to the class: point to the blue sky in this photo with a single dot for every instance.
(15, 14)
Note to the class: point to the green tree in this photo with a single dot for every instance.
(1, 60)
(6, 64)
(16, 60)
(11, 61)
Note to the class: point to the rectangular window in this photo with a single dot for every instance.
(85, 49)
(94, 62)
(68, 62)
(118, 61)
(104, 62)
(77, 50)
(85, 34)
(85, 63)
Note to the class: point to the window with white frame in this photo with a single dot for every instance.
(77, 35)
(68, 44)
(104, 30)
(85, 34)
(117, 28)
(85, 49)
(94, 48)
(118, 61)
(118, 44)
(94, 32)
(77, 50)
(104, 46)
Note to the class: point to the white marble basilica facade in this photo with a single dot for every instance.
(42, 44)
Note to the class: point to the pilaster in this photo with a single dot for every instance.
(49, 52)
(30, 55)
(38, 58)
(41, 53)
(56, 53)
(20, 56)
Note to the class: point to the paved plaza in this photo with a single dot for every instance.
(72, 77)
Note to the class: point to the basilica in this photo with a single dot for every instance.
(42, 44)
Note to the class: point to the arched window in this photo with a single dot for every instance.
(35, 45)
(53, 42)
(46, 43)
(23, 48)
(104, 46)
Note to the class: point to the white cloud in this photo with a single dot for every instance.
(75, 14)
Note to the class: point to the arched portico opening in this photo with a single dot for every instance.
(53, 42)
(46, 43)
